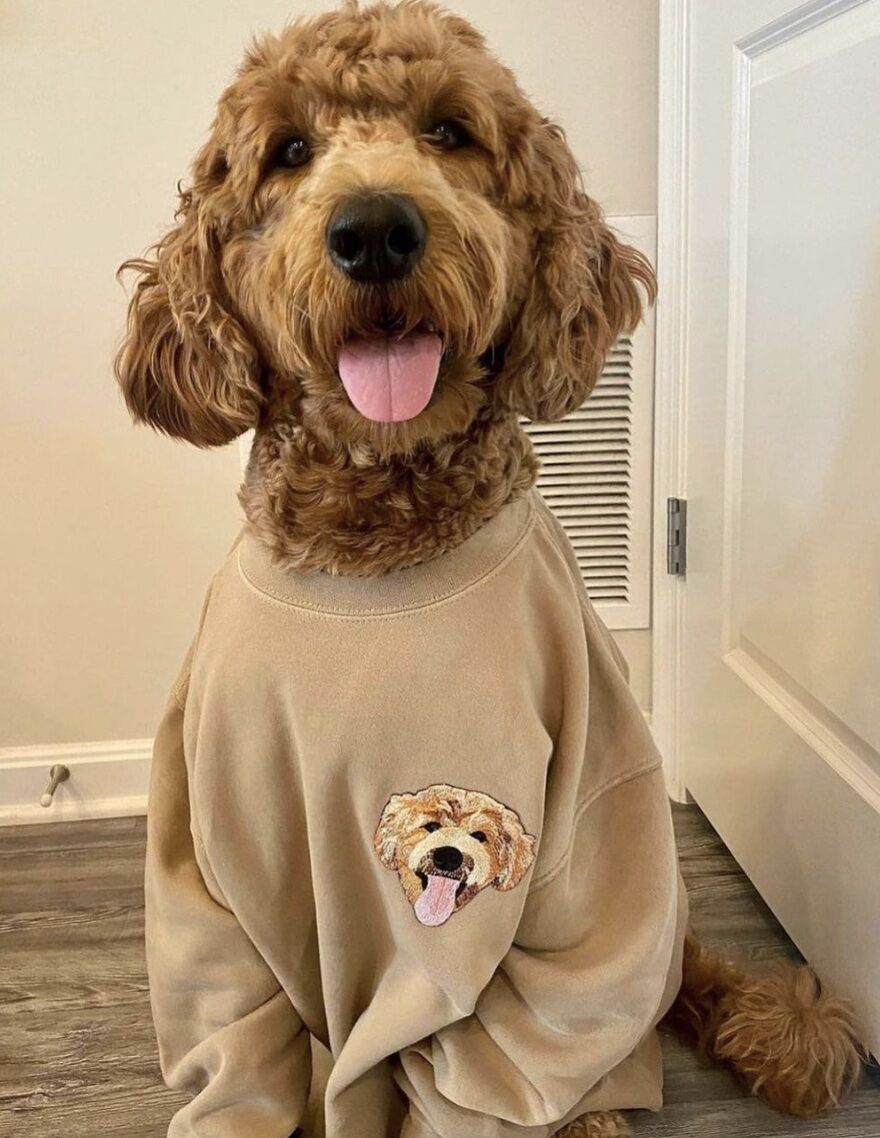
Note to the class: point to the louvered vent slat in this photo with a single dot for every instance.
(595, 476)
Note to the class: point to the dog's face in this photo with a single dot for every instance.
(448, 844)
(381, 237)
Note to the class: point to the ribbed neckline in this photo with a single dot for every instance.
(433, 582)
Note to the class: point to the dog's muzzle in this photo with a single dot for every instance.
(377, 239)
(443, 873)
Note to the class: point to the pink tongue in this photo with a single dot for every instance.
(391, 380)
(437, 901)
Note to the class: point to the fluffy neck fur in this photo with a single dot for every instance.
(340, 509)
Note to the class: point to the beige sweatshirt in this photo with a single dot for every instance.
(421, 818)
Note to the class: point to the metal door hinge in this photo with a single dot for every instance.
(676, 536)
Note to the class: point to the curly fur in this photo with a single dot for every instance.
(787, 1040)
(237, 317)
(321, 506)
(602, 1124)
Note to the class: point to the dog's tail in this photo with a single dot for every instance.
(787, 1040)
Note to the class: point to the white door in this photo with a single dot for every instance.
(780, 692)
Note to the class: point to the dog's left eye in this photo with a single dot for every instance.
(447, 135)
(479, 835)
(293, 152)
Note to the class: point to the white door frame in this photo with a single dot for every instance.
(670, 384)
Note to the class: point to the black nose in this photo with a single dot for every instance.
(447, 858)
(376, 237)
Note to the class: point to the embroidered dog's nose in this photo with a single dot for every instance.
(376, 237)
(447, 859)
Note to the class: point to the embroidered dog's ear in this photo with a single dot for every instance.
(517, 851)
(385, 838)
(186, 366)
(583, 291)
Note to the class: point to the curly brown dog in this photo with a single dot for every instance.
(383, 259)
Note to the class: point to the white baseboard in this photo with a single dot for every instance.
(107, 780)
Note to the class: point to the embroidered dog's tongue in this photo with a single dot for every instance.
(391, 380)
(437, 902)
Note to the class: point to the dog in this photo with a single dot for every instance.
(448, 844)
(383, 260)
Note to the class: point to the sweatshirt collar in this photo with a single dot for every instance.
(420, 586)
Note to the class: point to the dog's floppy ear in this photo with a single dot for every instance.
(583, 291)
(186, 365)
(385, 838)
(517, 851)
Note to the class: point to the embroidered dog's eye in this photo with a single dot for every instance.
(431, 827)
(479, 835)
(293, 152)
(447, 135)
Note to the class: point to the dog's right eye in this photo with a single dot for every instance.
(293, 152)
(448, 135)
(431, 827)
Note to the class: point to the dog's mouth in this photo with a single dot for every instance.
(390, 378)
(440, 891)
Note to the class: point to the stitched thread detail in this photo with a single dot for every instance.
(370, 614)
(610, 784)
(446, 884)
(552, 539)
(180, 687)
(179, 692)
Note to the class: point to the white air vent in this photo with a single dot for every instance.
(596, 469)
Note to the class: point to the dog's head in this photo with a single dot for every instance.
(448, 844)
(381, 236)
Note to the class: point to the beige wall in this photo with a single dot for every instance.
(111, 533)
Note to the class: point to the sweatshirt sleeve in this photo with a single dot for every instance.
(565, 1025)
(594, 966)
(227, 1032)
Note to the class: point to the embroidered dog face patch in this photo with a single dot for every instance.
(448, 844)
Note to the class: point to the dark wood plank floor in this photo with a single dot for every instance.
(77, 1053)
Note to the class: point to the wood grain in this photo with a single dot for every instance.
(77, 1051)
